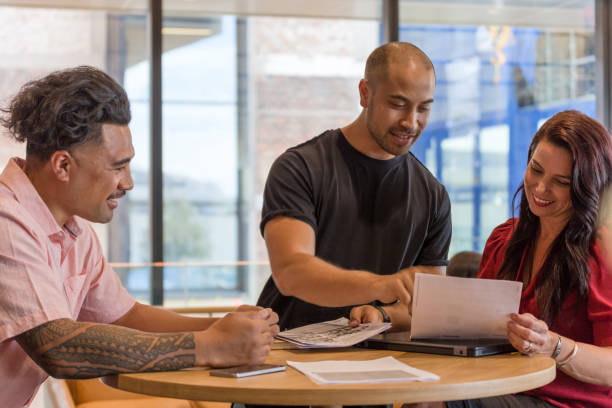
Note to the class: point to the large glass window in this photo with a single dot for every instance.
(502, 68)
(242, 84)
(237, 92)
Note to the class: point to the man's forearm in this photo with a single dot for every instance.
(313, 280)
(316, 281)
(68, 349)
(154, 319)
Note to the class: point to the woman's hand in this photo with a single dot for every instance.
(530, 335)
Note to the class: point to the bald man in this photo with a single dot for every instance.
(351, 215)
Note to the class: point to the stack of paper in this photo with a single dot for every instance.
(334, 333)
(450, 307)
(386, 369)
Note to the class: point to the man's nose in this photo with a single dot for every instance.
(127, 183)
(409, 120)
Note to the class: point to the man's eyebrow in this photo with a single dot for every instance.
(403, 98)
(122, 161)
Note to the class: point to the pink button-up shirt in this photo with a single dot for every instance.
(47, 272)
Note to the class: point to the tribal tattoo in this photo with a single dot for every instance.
(68, 349)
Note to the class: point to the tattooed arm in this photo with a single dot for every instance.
(68, 349)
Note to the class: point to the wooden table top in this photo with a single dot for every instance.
(460, 378)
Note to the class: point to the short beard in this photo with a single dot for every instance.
(380, 142)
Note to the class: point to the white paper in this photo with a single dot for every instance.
(333, 333)
(386, 369)
(450, 307)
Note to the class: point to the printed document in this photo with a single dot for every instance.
(333, 333)
(386, 369)
(449, 307)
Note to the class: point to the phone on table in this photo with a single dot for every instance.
(247, 370)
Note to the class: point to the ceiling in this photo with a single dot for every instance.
(577, 14)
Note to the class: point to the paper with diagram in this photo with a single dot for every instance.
(333, 333)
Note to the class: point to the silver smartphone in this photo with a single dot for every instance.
(247, 370)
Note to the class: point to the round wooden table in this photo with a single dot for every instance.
(460, 378)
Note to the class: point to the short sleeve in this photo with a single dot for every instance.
(31, 292)
(289, 191)
(437, 242)
(106, 300)
(495, 250)
(599, 303)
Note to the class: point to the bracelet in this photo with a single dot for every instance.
(384, 314)
(570, 357)
(557, 349)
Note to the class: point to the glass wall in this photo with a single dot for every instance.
(502, 69)
(242, 84)
(237, 92)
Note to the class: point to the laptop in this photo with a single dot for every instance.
(456, 316)
(400, 341)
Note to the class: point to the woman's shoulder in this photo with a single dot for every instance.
(495, 248)
(502, 232)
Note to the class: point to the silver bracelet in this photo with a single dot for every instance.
(570, 357)
(557, 349)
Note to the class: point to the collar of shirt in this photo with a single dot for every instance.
(18, 183)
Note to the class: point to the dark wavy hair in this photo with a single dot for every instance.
(566, 265)
(65, 108)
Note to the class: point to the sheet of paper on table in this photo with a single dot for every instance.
(333, 333)
(449, 307)
(386, 369)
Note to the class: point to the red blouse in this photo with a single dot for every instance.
(588, 322)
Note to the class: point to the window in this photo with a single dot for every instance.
(237, 92)
(502, 68)
(242, 83)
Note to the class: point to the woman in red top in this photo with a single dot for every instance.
(556, 249)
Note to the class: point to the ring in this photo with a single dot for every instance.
(529, 348)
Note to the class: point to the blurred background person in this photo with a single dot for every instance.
(464, 264)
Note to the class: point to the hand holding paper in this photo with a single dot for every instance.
(449, 307)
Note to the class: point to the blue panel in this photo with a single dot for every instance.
(479, 85)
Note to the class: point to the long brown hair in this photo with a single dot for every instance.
(566, 265)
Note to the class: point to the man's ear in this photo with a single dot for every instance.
(364, 93)
(61, 162)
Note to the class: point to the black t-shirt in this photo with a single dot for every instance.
(369, 214)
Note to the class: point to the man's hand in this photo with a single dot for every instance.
(390, 288)
(242, 337)
(365, 314)
(398, 313)
(272, 318)
(248, 308)
(400, 285)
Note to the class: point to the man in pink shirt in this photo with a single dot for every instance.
(63, 311)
